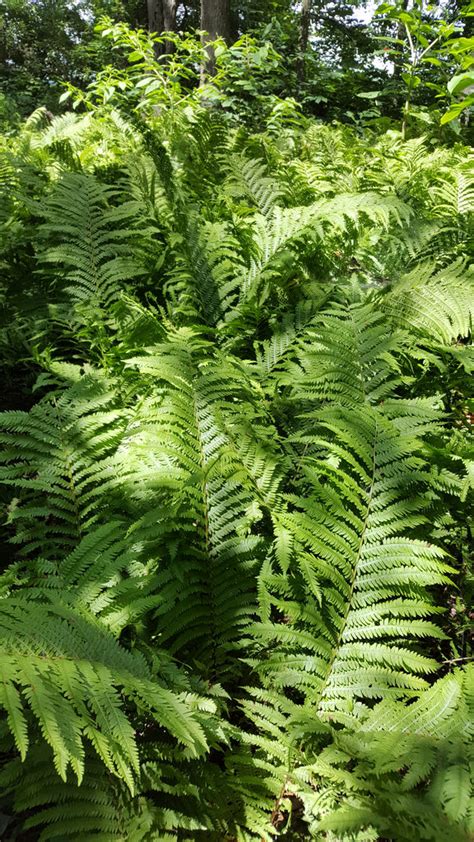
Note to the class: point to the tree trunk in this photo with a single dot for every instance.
(162, 18)
(215, 21)
(304, 37)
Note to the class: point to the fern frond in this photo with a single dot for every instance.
(273, 352)
(289, 226)
(347, 357)
(349, 547)
(249, 182)
(186, 449)
(71, 673)
(55, 458)
(430, 743)
(204, 284)
(455, 193)
(93, 250)
(348, 537)
(436, 304)
(101, 807)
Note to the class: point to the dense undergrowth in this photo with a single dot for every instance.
(237, 470)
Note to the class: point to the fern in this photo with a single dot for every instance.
(96, 252)
(203, 285)
(456, 195)
(355, 562)
(362, 576)
(273, 352)
(292, 224)
(237, 493)
(55, 456)
(71, 674)
(247, 180)
(185, 450)
(429, 743)
(434, 304)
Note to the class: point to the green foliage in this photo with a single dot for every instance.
(427, 745)
(95, 257)
(237, 475)
(44, 44)
(426, 37)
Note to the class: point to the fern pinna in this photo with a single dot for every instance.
(237, 495)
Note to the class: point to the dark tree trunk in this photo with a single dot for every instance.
(162, 18)
(215, 21)
(304, 37)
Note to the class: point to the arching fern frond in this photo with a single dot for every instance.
(347, 357)
(409, 768)
(363, 576)
(198, 499)
(55, 459)
(102, 807)
(454, 194)
(71, 674)
(105, 573)
(94, 242)
(352, 578)
(273, 352)
(248, 181)
(204, 284)
(435, 304)
(290, 226)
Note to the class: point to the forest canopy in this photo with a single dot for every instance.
(237, 463)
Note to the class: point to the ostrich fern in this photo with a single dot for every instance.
(55, 456)
(94, 243)
(359, 576)
(184, 465)
(237, 498)
(72, 675)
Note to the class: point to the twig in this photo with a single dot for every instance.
(456, 660)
